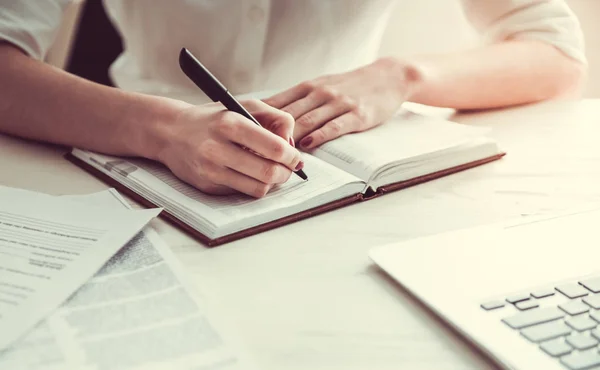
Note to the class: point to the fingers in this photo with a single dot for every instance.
(234, 128)
(251, 165)
(288, 96)
(242, 183)
(306, 104)
(275, 120)
(223, 181)
(212, 188)
(349, 122)
(322, 104)
(222, 165)
(316, 118)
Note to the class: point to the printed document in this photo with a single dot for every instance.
(138, 312)
(49, 247)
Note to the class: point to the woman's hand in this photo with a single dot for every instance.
(204, 146)
(331, 106)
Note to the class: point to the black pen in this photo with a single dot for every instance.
(214, 89)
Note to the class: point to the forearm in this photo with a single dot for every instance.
(43, 103)
(503, 74)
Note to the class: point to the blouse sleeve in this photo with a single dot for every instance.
(549, 21)
(31, 25)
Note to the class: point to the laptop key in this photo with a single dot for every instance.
(581, 323)
(581, 341)
(574, 307)
(517, 298)
(542, 293)
(488, 306)
(593, 301)
(572, 290)
(543, 332)
(526, 305)
(556, 347)
(534, 317)
(581, 360)
(592, 284)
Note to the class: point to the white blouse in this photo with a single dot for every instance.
(253, 45)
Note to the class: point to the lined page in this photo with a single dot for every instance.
(405, 138)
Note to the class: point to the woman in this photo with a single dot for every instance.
(325, 49)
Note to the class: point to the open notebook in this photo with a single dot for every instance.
(404, 151)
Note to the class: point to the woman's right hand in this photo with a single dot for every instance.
(204, 146)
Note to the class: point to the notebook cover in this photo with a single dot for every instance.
(195, 233)
(432, 176)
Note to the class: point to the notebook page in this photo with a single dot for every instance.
(405, 138)
(232, 209)
(208, 213)
(467, 153)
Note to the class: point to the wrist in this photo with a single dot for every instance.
(149, 131)
(406, 77)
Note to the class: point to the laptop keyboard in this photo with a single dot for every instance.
(563, 321)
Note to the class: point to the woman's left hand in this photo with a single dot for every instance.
(331, 106)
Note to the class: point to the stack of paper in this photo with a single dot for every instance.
(49, 248)
(136, 312)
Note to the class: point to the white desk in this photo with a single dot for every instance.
(306, 296)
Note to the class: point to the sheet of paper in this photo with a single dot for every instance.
(406, 137)
(138, 312)
(49, 247)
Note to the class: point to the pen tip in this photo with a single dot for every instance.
(302, 175)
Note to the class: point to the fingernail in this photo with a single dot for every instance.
(306, 141)
(299, 166)
(292, 143)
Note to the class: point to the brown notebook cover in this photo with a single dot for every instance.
(276, 223)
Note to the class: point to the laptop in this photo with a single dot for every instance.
(526, 293)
